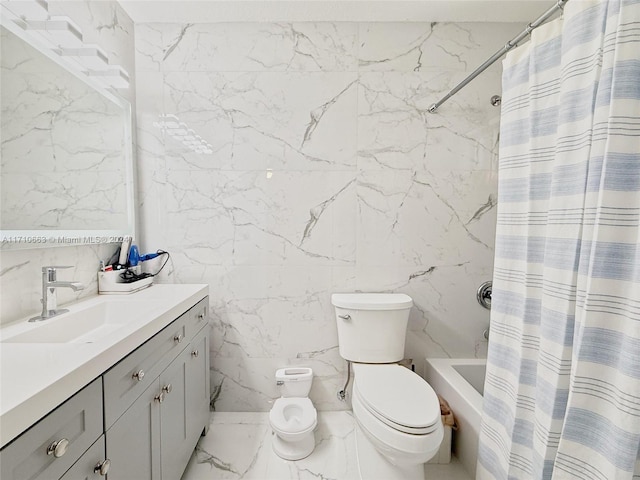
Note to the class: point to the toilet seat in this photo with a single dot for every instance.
(293, 415)
(397, 397)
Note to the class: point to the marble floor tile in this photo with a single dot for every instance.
(238, 446)
(451, 471)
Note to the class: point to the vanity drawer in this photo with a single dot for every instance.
(197, 317)
(126, 381)
(78, 421)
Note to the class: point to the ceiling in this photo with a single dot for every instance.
(193, 11)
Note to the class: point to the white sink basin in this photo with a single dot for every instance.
(86, 325)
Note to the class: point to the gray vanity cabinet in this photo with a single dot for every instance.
(146, 413)
(155, 437)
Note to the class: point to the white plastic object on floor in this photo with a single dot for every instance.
(444, 453)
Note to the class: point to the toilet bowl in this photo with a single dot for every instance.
(398, 422)
(398, 412)
(293, 418)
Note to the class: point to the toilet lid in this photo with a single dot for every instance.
(398, 397)
(293, 415)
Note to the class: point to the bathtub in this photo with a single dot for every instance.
(461, 383)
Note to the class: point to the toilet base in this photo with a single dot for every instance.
(372, 465)
(293, 450)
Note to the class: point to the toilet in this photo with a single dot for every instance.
(293, 416)
(398, 423)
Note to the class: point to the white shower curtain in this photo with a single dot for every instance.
(562, 393)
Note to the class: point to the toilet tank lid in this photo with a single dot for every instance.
(372, 301)
(294, 374)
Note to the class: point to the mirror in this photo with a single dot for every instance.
(66, 172)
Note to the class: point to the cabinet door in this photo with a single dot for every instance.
(198, 386)
(85, 467)
(175, 451)
(133, 442)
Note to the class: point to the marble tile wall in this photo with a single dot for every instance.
(327, 174)
(104, 23)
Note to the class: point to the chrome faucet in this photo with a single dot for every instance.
(49, 299)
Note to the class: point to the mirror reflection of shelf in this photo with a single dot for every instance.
(63, 37)
(113, 76)
(33, 10)
(59, 31)
(91, 57)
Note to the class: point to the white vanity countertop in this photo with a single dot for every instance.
(37, 377)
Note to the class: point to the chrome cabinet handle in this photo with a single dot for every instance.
(345, 317)
(178, 338)
(167, 388)
(58, 448)
(201, 316)
(195, 354)
(102, 467)
(139, 375)
(159, 398)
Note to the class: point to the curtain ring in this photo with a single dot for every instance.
(560, 4)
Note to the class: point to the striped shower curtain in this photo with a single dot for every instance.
(562, 393)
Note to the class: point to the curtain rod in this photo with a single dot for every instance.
(496, 56)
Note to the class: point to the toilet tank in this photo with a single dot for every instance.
(372, 327)
(294, 381)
